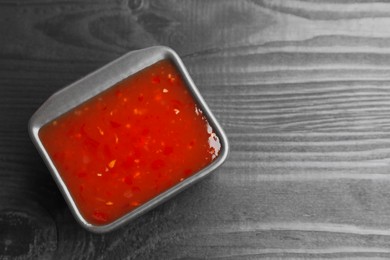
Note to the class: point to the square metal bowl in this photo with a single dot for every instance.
(95, 83)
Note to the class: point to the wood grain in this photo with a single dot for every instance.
(301, 88)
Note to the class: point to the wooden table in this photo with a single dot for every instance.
(302, 89)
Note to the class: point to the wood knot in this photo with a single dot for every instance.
(136, 5)
(26, 236)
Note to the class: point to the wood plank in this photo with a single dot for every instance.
(301, 88)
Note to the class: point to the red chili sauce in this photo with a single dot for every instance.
(130, 143)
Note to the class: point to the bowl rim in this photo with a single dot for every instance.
(102, 79)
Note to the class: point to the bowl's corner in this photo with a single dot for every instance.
(31, 126)
(164, 48)
(226, 142)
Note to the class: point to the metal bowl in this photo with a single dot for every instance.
(93, 84)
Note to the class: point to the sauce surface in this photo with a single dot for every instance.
(130, 143)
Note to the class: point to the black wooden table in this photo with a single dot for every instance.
(302, 89)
